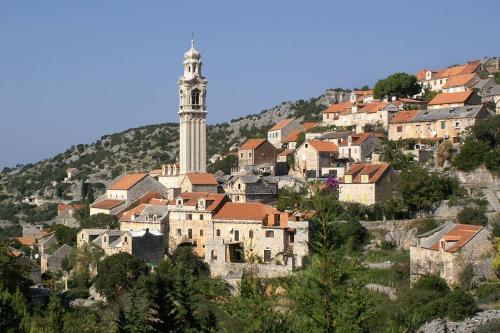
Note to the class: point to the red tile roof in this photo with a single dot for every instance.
(127, 181)
(281, 124)
(338, 108)
(107, 204)
(459, 235)
(374, 171)
(404, 116)
(357, 139)
(213, 200)
(323, 146)
(253, 211)
(159, 202)
(252, 144)
(134, 211)
(292, 136)
(26, 241)
(470, 67)
(286, 152)
(373, 107)
(201, 179)
(460, 80)
(451, 98)
(308, 125)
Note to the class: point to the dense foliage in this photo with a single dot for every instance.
(397, 84)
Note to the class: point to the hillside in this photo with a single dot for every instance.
(147, 147)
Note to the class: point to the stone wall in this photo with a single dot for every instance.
(402, 232)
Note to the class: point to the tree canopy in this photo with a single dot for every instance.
(397, 84)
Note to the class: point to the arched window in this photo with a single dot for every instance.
(213, 255)
(195, 97)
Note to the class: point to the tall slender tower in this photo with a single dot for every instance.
(192, 114)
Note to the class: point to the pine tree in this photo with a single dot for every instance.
(55, 314)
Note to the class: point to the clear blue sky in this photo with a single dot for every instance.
(72, 71)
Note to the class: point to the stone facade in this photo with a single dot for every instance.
(261, 156)
(192, 114)
(448, 249)
(250, 188)
(279, 131)
(52, 262)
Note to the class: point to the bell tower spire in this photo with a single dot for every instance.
(192, 113)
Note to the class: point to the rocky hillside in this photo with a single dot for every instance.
(147, 147)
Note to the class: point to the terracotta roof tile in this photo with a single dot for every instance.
(213, 200)
(450, 98)
(323, 146)
(127, 181)
(134, 211)
(252, 144)
(373, 107)
(458, 236)
(357, 139)
(159, 202)
(460, 80)
(374, 171)
(253, 211)
(404, 116)
(338, 108)
(292, 136)
(107, 204)
(308, 125)
(281, 124)
(26, 241)
(286, 152)
(201, 179)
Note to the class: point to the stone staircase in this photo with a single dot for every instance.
(491, 196)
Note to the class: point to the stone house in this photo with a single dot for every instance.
(190, 219)
(250, 188)
(461, 82)
(170, 178)
(124, 191)
(454, 99)
(331, 115)
(434, 80)
(152, 216)
(52, 262)
(280, 130)
(336, 137)
(290, 141)
(257, 154)
(359, 147)
(199, 182)
(67, 214)
(449, 248)
(144, 244)
(315, 159)
(493, 95)
(254, 229)
(367, 183)
(437, 124)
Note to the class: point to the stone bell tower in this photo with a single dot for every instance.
(192, 114)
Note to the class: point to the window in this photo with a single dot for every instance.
(189, 216)
(194, 68)
(237, 235)
(306, 145)
(250, 154)
(126, 239)
(364, 178)
(201, 217)
(195, 97)
(250, 234)
(237, 198)
(429, 127)
(269, 233)
(201, 232)
(179, 232)
(292, 237)
(241, 155)
(443, 124)
(239, 186)
(457, 124)
(267, 255)
(190, 233)
(105, 238)
(217, 232)
(400, 129)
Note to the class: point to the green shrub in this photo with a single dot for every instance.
(460, 305)
(470, 215)
(465, 277)
(488, 292)
(387, 245)
(472, 154)
(426, 225)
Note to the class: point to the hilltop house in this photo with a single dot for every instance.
(250, 188)
(359, 147)
(52, 262)
(434, 80)
(280, 130)
(124, 191)
(244, 230)
(461, 82)
(144, 244)
(367, 183)
(67, 214)
(454, 99)
(257, 154)
(152, 216)
(448, 249)
(315, 159)
(199, 182)
(438, 124)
